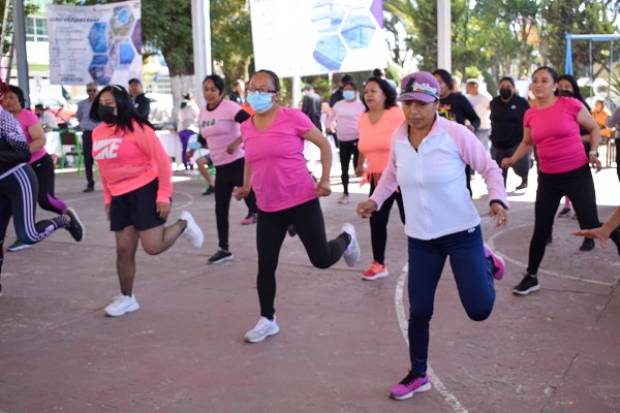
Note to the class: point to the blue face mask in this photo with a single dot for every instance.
(348, 94)
(260, 101)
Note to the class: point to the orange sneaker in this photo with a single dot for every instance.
(375, 271)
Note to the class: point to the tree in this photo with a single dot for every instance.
(577, 17)
(231, 38)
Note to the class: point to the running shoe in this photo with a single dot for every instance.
(587, 244)
(344, 199)
(192, 232)
(352, 253)
(75, 227)
(522, 185)
(564, 212)
(89, 189)
(528, 285)
(375, 271)
(209, 191)
(220, 257)
(121, 305)
(18, 246)
(249, 220)
(409, 386)
(263, 329)
(497, 262)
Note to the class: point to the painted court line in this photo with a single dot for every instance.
(449, 397)
(491, 242)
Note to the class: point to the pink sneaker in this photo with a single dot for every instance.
(409, 386)
(499, 267)
(375, 271)
(249, 220)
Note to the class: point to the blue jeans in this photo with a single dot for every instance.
(474, 281)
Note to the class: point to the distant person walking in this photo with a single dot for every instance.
(507, 111)
(141, 103)
(87, 124)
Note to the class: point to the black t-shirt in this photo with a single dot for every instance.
(456, 107)
(507, 121)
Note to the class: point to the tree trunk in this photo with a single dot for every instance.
(180, 85)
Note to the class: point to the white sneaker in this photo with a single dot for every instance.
(192, 231)
(263, 329)
(352, 254)
(121, 305)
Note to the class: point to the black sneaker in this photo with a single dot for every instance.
(209, 191)
(527, 285)
(220, 256)
(587, 245)
(523, 185)
(18, 246)
(89, 189)
(75, 228)
(564, 212)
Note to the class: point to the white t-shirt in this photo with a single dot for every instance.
(482, 108)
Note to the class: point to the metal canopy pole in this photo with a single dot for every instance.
(19, 32)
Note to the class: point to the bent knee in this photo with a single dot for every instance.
(480, 314)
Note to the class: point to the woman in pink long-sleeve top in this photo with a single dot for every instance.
(136, 176)
(427, 161)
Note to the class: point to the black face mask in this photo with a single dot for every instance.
(566, 93)
(505, 93)
(106, 114)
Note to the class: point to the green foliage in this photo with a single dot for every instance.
(231, 39)
(577, 17)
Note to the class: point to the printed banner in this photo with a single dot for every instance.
(101, 43)
(311, 37)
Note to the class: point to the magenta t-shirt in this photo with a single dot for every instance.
(26, 119)
(280, 178)
(219, 128)
(555, 132)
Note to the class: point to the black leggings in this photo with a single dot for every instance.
(379, 221)
(17, 198)
(226, 178)
(44, 169)
(579, 187)
(617, 142)
(87, 150)
(307, 219)
(347, 149)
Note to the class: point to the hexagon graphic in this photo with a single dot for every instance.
(327, 16)
(136, 35)
(122, 20)
(358, 29)
(122, 52)
(98, 37)
(330, 52)
(101, 69)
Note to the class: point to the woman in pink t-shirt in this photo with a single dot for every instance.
(136, 177)
(286, 194)
(41, 162)
(219, 125)
(376, 126)
(346, 114)
(552, 125)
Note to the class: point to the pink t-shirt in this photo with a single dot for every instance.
(280, 177)
(347, 115)
(219, 128)
(130, 160)
(555, 132)
(26, 119)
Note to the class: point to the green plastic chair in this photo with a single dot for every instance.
(69, 138)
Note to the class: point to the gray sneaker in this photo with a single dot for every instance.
(352, 254)
(263, 329)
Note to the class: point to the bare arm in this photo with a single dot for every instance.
(38, 137)
(523, 148)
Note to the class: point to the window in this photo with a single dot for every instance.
(36, 29)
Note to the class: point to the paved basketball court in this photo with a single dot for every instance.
(342, 341)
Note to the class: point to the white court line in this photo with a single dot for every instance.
(449, 397)
(491, 243)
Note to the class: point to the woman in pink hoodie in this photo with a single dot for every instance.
(136, 177)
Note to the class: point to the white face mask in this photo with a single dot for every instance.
(348, 94)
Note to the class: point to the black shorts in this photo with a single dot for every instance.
(137, 208)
